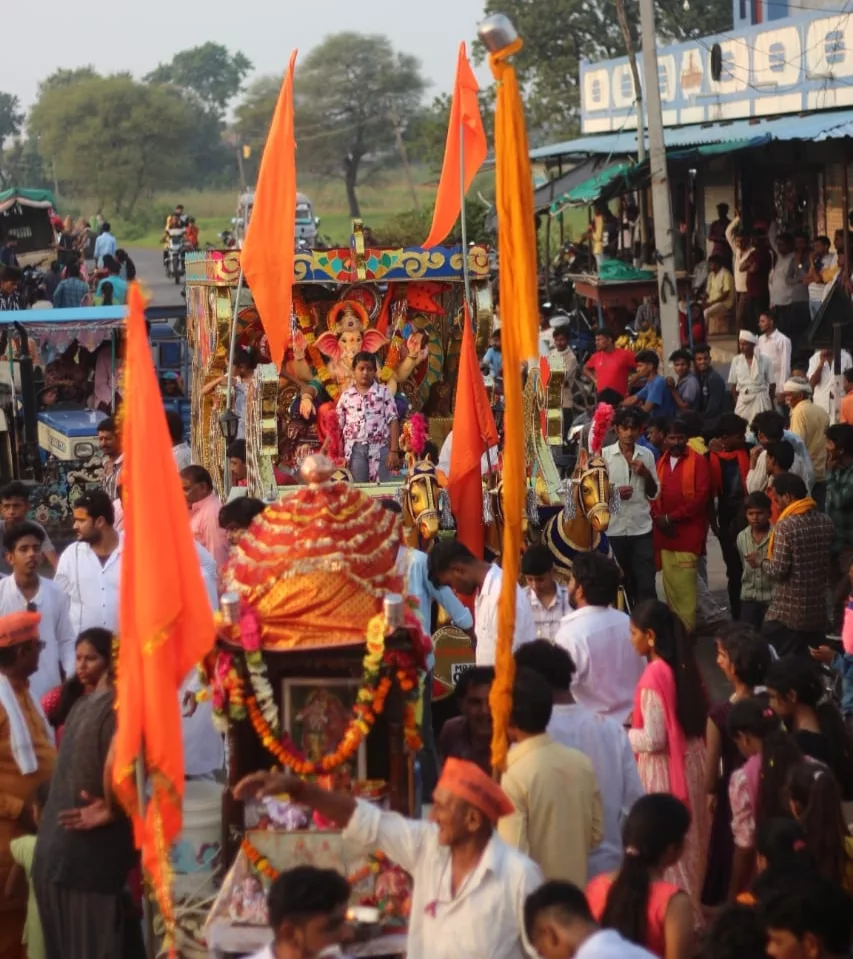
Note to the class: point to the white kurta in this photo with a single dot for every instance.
(752, 381)
(485, 920)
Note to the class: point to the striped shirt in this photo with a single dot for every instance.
(548, 618)
(755, 585)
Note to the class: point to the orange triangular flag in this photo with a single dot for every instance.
(474, 432)
(267, 255)
(165, 619)
(465, 128)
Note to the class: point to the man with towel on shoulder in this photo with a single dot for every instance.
(751, 378)
(469, 886)
(27, 756)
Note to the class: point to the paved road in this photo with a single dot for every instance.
(149, 266)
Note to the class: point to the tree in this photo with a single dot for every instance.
(66, 78)
(114, 138)
(558, 34)
(426, 135)
(11, 120)
(252, 117)
(209, 72)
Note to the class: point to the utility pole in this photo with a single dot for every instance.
(661, 206)
(404, 156)
(638, 93)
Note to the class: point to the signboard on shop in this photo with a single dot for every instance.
(783, 67)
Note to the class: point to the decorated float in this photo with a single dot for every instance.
(319, 668)
(404, 305)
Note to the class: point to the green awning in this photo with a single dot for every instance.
(34, 198)
(608, 180)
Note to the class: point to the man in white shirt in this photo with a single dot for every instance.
(602, 740)
(307, 913)
(105, 245)
(559, 924)
(767, 428)
(777, 348)
(597, 637)
(452, 564)
(89, 571)
(180, 448)
(633, 475)
(751, 378)
(549, 600)
(488, 463)
(24, 590)
(821, 378)
(468, 886)
(788, 294)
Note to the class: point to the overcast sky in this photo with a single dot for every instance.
(136, 36)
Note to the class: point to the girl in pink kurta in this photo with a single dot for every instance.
(667, 735)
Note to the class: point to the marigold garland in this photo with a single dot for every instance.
(261, 864)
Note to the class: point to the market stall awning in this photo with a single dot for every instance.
(755, 131)
(42, 199)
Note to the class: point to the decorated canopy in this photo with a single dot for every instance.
(316, 566)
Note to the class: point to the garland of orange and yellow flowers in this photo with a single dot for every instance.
(261, 864)
(230, 696)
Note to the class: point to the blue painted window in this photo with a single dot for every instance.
(663, 80)
(728, 66)
(833, 46)
(776, 55)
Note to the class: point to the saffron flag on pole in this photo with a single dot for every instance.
(466, 140)
(165, 620)
(267, 255)
(474, 432)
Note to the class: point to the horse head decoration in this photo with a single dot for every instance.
(590, 500)
(425, 505)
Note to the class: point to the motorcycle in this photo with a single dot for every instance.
(174, 254)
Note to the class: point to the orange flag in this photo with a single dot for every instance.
(474, 432)
(165, 619)
(465, 131)
(267, 254)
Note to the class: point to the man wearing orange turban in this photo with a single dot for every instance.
(26, 758)
(469, 886)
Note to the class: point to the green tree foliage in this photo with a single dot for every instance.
(11, 121)
(350, 92)
(252, 118)
(66, 78)
(114, 139)
(411, 227)
(558, 34)
(426, 135)
(22, 165)
(210, 72)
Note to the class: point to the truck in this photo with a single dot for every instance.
(307, 225)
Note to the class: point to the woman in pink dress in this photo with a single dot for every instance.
(637, 901)
(668, 730)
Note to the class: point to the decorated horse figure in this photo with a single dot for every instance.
(424, 502)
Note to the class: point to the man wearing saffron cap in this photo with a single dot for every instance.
(469, 886)
(26, 758)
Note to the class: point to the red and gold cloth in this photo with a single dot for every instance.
(316, 566)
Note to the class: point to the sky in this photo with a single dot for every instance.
(138, 36)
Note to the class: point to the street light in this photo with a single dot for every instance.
(229, 424)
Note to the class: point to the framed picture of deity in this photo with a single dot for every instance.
(316, 715)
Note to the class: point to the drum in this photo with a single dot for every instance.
(454, 654)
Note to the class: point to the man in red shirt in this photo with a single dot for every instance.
(680, 515)
(610, 367)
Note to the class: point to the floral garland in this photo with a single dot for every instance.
(369, 702)
(260, 863)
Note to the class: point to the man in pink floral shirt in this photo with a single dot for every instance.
(367, 414)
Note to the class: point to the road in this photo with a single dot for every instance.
(149, 267)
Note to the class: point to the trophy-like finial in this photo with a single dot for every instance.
(317, 469)
(497, 32)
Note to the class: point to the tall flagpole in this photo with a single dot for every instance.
(465, 270)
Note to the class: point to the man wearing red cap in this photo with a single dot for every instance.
(26, 757)
(469, 886)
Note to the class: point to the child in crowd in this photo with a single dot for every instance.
(743, 657)
(636, 902)
(23, 850)
(369, 424)
(795, 687)
(756, 790)
(816, 805)
(756, 586)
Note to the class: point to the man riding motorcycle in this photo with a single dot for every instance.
(177, 220)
